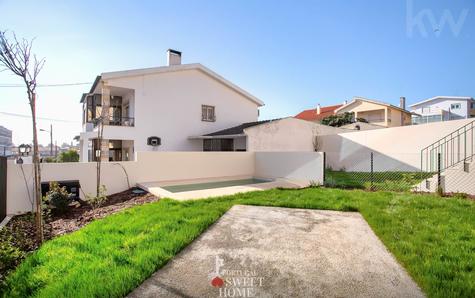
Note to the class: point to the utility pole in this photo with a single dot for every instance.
(51, 138)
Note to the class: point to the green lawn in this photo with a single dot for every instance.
(433, 238)
(385, 181)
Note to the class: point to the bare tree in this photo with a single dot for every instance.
(100, 131)
(16, 56)
(316, 140)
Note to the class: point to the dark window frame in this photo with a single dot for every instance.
(205, 115)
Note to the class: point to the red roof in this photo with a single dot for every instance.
(311, 115)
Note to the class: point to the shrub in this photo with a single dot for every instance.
(338, 119)
(57, 197)
(98, 201)
(10, 255)
(68, 156)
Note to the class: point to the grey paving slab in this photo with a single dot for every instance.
(281, 252)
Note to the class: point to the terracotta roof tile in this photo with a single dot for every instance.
(311, 114)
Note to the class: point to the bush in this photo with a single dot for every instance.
(338, 119)
(10, 256)
(58, 198)
(68, 156)
(48, 159)
(98, 201)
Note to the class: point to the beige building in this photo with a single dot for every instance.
(377, 113)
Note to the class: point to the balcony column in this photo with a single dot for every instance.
(386, 122)
(106, 96)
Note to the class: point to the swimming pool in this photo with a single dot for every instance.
(215, 184)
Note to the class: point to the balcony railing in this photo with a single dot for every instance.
(119, 121)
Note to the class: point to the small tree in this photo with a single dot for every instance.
(16, 57)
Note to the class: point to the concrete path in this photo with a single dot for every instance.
(280, 252)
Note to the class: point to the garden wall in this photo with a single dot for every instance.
(299, 166)
(160, 166)
(395, 149)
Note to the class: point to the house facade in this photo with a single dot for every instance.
(5, 141)
(443, 108)
(377, 113)
(160, 109)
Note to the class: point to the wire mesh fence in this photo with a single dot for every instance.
(375, 172)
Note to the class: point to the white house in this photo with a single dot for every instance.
(443, 108)
(160, 109)
(5, 141)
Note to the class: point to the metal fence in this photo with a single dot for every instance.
(374, 172)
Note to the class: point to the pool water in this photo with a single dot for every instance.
(216, 184)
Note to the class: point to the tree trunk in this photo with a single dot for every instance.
(37, 171)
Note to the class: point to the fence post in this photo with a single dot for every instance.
(3, 187)
(324, 167)
(372, 175)
(439, 178)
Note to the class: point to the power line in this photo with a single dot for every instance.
(40, 118)
(45, 85)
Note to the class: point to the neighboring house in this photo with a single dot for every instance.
(317, 114)
(377, 113)
(286, 134)
(443, 108)
(5, 141)
(160, 109)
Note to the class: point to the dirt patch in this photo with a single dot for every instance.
(82, 215)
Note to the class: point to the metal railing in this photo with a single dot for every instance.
(454, 148)
(119, 121)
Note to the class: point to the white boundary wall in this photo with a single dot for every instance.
(161, 166)
(297, 166)
(396, 148)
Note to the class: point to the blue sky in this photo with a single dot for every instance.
(290, 54)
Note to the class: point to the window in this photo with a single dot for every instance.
(218, 145)
(455, 106)
(207, 113)
(93, 107)
(473, 105)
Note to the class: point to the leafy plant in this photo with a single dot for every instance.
(68, 156)
(99, 200)
(57, 197)
(338, 119)
(314, 183)
(10, 255)
(49, 159)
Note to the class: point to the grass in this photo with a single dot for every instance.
(433, 238)
(386, 181)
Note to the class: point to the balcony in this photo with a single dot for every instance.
(118, 121)
(121, 121)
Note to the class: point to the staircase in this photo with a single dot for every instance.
(453, 156)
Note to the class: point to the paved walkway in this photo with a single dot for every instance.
(280, 252)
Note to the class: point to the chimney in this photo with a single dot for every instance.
(318, 109)
(402, 102)
(173, 57)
